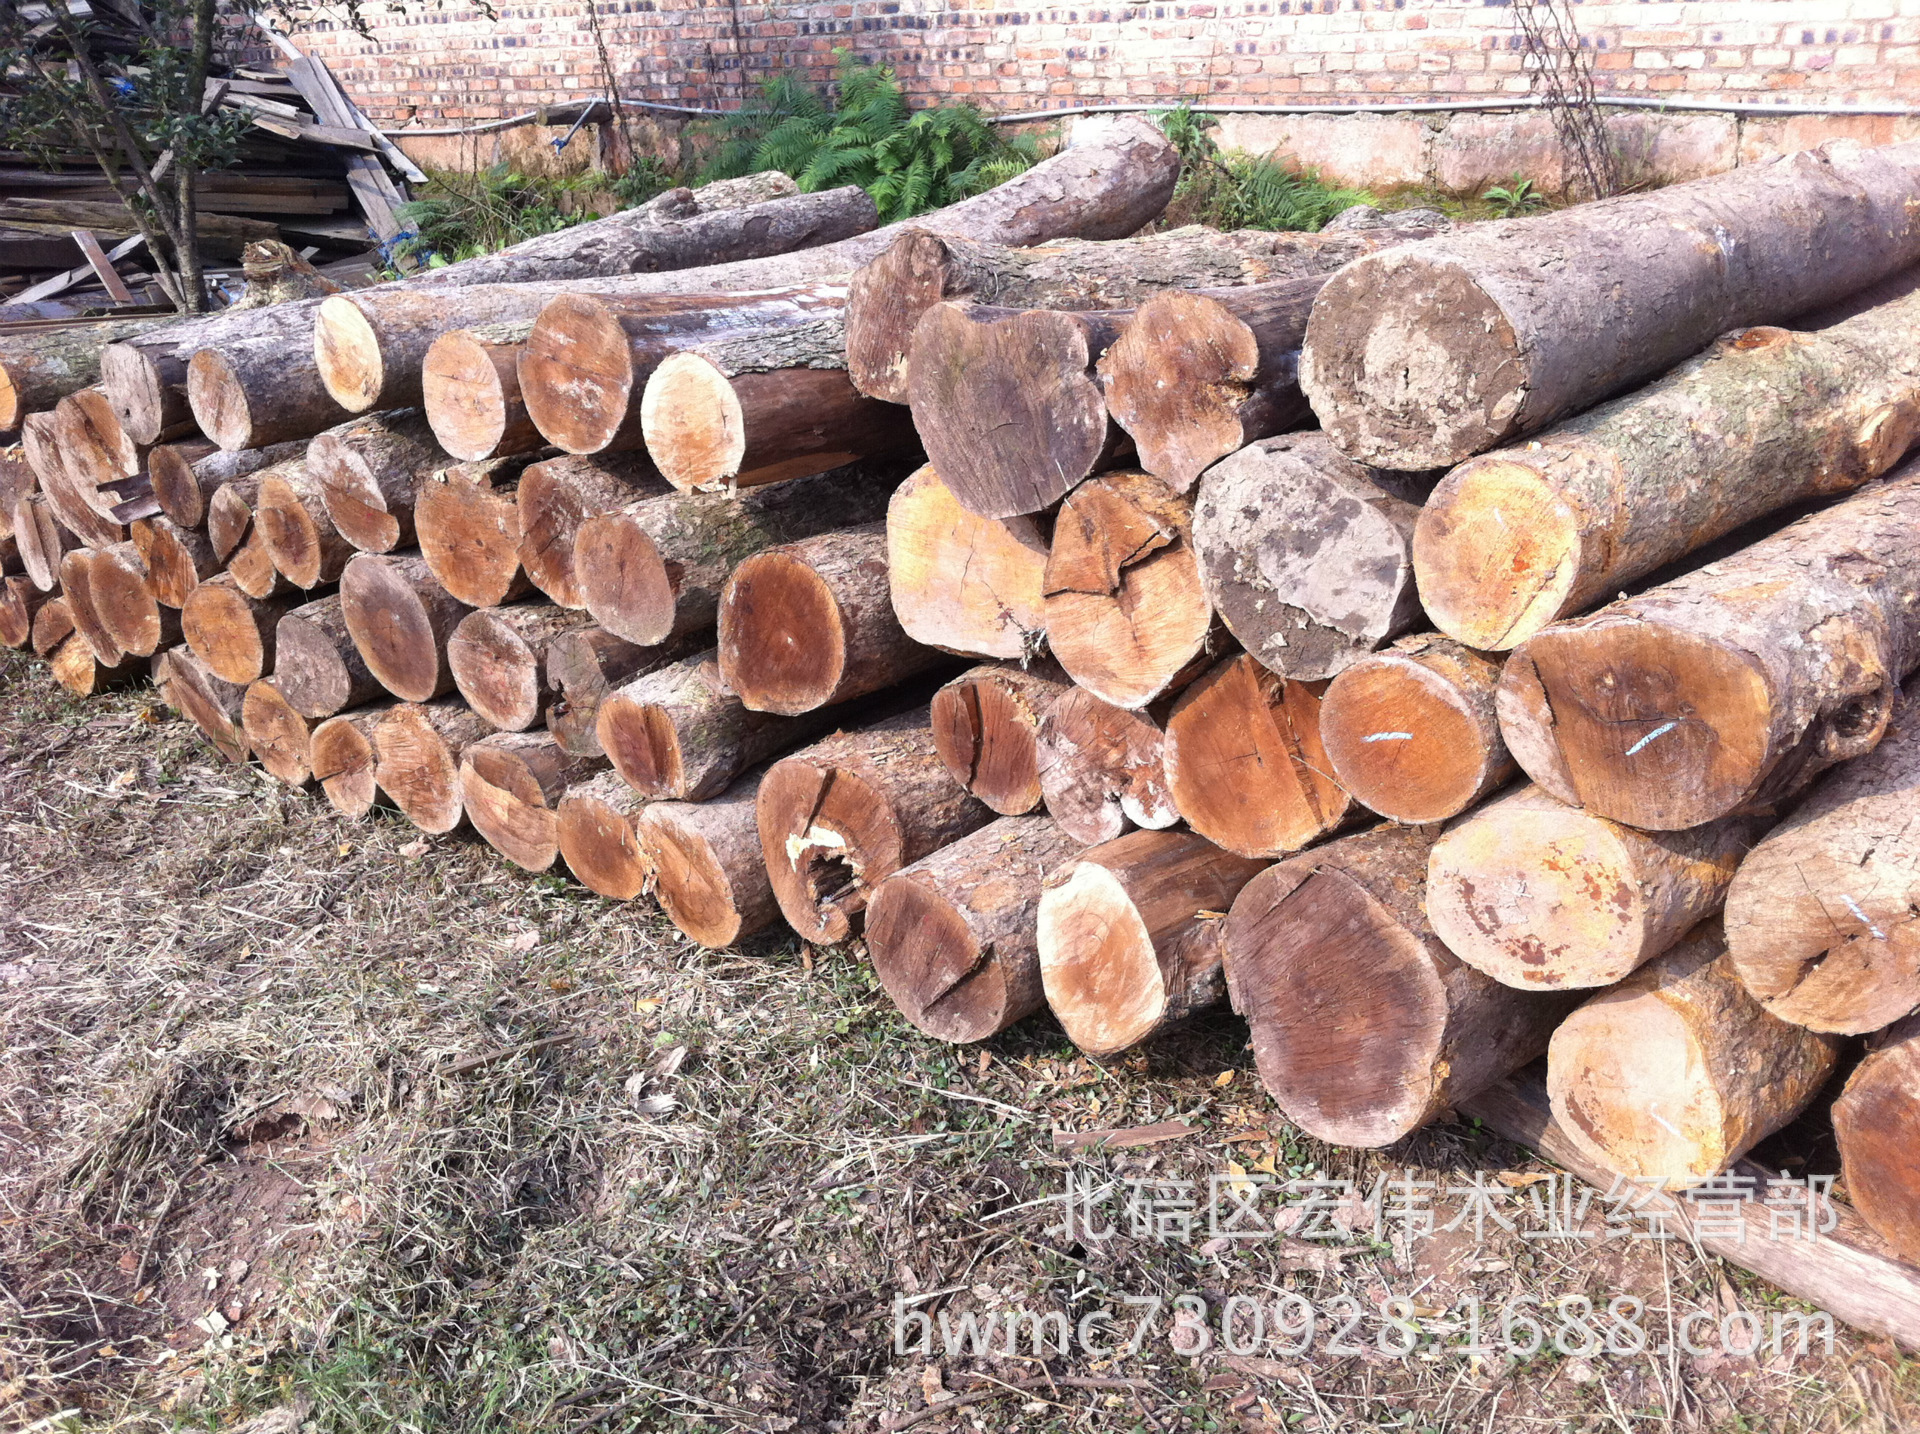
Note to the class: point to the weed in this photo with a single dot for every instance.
(1517, 197)
(1231, 190)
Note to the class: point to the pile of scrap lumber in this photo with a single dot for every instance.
(973, 587)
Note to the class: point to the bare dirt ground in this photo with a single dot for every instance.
(308, 1124)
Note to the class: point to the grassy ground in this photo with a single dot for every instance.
(313, 1124)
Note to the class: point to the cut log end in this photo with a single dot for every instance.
(1622, 1065)
(220, 401)
(280, 737)
(472, 398)
(622, 579)
(986, 727)
(497, 671)
(783, 640)
(693, 884)
(393, 628)
(418, 768)
(506, 804)
(470, 536)
(210, 703)
(1102, 768)
(342, 757)
(578, 374)
(1497, 552)
(641, 740)
(1176, 380)
(1408, 743)
(885, 299)
(1877, 1123)
(960, 582)
(598, 839)
(1102, 976)
(923, 933)
(825, 834)
(222, 626)
(694, 425)
(347, 348)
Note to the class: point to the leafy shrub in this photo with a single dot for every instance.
(1231, 190)
(1516, 197)
(461, 215)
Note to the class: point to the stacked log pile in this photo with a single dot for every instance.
(1087, 680)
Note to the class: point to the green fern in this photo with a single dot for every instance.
(1230, 190)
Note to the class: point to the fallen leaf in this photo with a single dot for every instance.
(346, 848)
(123, 779)
(414, 848)
(525, 941)
(1237, 1180)
(1225, 1078)
(1519, 1180)
(930, 1386)
(647, 1005)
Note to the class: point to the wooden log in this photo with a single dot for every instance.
(841, 816)
(498, 657)
(1764, 419)
(1365, 1027)
(511, 784)
(952, 936)
(962, 583)
(1129, 936)
(17, 481)
(470, 391)
(230, 514)
(1734, 686)
(1545, 896)
(20, 601)
(76, 586)
(1411, 732)
(400, 619)
(1820, 918)
(1008, 403)
(178, 559)
(38, 368)
(655, 568)
(185, 476)
(596, 824)
(39, 448)
(1676, 1072)
(1102, 768)
(344, 760)
(1246, 765)
(291, 514)
(316, 667)
(706, 864)
(232, 633)
(811, 624)
(77, 668)
(210, 702)
(41, 539)
(468, 523)
(417, 749)
(679, 733)
(99, 458)
(1874, 1121)
(560, 495)
(1127, 614)
(122, 599)
(70, 501)
(1423, 356)
(52, 625)
(986, 727)
(1306, 555)
(280, 737)
(261, 389)
(370, 471)
(585, 666)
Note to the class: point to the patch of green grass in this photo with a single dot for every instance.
(1231, 190)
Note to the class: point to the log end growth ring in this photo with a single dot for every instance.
(640, 740)
(1403, 741)
(219, 401)
(465, 397)
(622, 579)
(1097, 962)
(391, 628)
(346, 346)
(1613, 1070)
(577, 374)
(932, 966)
(1496, 554)
(601, 848)
(783, 641)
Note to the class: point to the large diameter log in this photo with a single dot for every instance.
(1102, 768)
(417, 749)
(400, 619)
(986, 727)
(585, 666)
(316, 667)
(77, 668)
(498, 657)
(1875, 1121)
(1129, 935)
(1412, 732)
(706, 864)
(962, 583)
(1008, 404)
(343, 758)
(1245, 762)
(840, 817)
(261, 389)
(98, 456)
(1127, 612)
(178, 559)
(812, 623)
(1676, 1072)
(655, 568)
(370, 471)
(210, 702)
(511, 784)
(1513, 540)
(952, 936)
(280, 737)
(1734, 686)
(1365, 1027)
(470, 390)
(41, 539)
(560, 495)
(76, 586)
(1545, 896)
(20, 601)
(1423, 356)
(123, 601)
(1821, 918)
(1307, 556)
(39, 368)
(468, 522)
(232, 633)
(291, 514)
(52, 624)
(185, 476)
(596, 825)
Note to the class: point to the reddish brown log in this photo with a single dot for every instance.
(70, 501)
(986, 727)
(280, 737)
(706, 865)
(585, 666)
(558, 496)
(470, 390)
(401, 618)
(185, 476)
(76, 586)
(123, 600)
(231, 632)
(291, 514)
(498, 657)
(468, 522)
(417, 750)
(178, 559)
(41, 539)
(511, 784)
(210, 702)
(597, 828)
(99, 458)
(963, 583)
(1102, 768)
(255, 391)
(1876, 1121)
(316, 666)
(343, 758)
(370, 470)
(52, 625)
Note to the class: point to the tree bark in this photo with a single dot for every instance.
(468, 522)
(511, 784)
(470, 390)
(52, 624)
(1246, 765)
(584, 667)
(39, 368)
(280, 737)
(370, 470)
(316, 667)
(846, 813)
(185, 477)
(1548, 897)
(1424, 356)
(1676, 1072)
(596, 825)
(1102, 769)
(1821, 918)
(76, 586)
(560, 495)
(248, 392)
(290, 513)
(1731, 688)
(1411, 732)
(1129, 935)
(811, 624)
(42, 540)
(707, 867)
(1513, 540)
(962, 583)
(498, 657)
(178, 559)
(417, 750)
(400, 618)
(344, 759)
(986, 727)
(232, 633)
(123, 600)
(210, 702)
(1876, 1121)
(953, 936)
(20, 601)
(1307, 557)
(1365, 1027)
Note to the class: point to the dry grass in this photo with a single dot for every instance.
(249, 1163)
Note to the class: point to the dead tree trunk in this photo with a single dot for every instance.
(706, 864)
(596, 824)
(962, 583)
(178, 559)
(250, 392)
(1732, 687)
(1876, 1122)
(1677, 1072)
(210, 702)
(1411, 732)
(232, 633)
(290, 512)
(1129, 936)
(511, 784)
(1515, 539)
(280, 737)
(986, 727)
(344, 759)
(470, 389)
(370, 470)
(810, 624)
(952, 936)
(468, 522)
(498, 657)
(41, 539)
(185, 477)
(1103, 768)
(316, 667)
(1307, 557)
(840, 817)
(1422, 357)
(39, 368)
(560, 495)
(584, 667)
(1365, 1027)
(400, 618)
(417, 750)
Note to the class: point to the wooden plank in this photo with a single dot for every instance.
(47, 288)
(366, 177)
(102, 266)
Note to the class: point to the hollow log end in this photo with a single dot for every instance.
(219, 401)
(692, 420)
(1496, 553)
(917, 938)
(828, 836)
(1403, 741)
(601, 848)
(346, 346)
(1097, 962)
(639, 738)
(783, 643)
